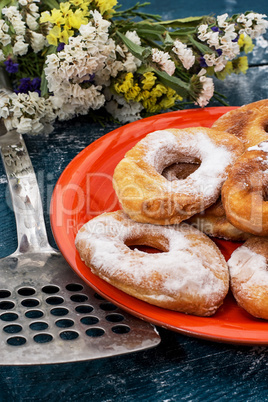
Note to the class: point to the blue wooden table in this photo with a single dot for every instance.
(180, 368)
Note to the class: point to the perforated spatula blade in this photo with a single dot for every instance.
(47, 314)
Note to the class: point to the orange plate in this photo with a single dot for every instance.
(84, 190)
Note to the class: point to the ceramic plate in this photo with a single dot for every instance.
(84, 190)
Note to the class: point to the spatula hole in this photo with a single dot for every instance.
(43, 338)
(38, 326)
(12, 328)
(99, 297)
(53, 300)
(74, 287)
(84, 309)
(95, 332)
(50, 289)
(59, 311)
(64, 323)
(16, 341)
(120, 329)
(4, 293)
(115, 317)
(90, 320)
(108, 306)
(69, 335)
(6, 305)
(34, 314)
(30, 302)
(26, 291)
(9, 317)
(79, 298)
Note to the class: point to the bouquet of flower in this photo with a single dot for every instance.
(77, 57)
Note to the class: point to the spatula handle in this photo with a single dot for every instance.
(25, 195)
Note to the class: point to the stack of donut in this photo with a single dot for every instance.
(177, 187)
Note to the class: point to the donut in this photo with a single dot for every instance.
(147, 196)
(249, 276)
(244, 193)
(190, 275)
(249, 123)
(213, 222)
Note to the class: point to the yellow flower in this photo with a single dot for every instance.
(76, 19)
(240, 65)
(132, 93)
(228, 69)
(126, 84)
(78, 3)
(64, 36)
(158, 90)
(55, 17)
(54, 35)
(64, 7)
(106, 6)
(245, 43)
(148, 81)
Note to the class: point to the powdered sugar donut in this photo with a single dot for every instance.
(213, 222)
(147, 196)
(249, 123)
(244, 193)
(190, 275)
(249, 276)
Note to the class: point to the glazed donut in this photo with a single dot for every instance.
(147, 196)
(249, 123)
(249, 276)
(189, 276)
(245, 190)
(213, 222)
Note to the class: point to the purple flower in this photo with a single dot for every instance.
(11, 68)
(27, 85)
(60, 47)
(219, 51)
(203, 63)
(215, 29)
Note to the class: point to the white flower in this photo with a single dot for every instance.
(20, 47)
(23, 2)
(38, 41)
(24, 126)
(185, 54)
(122, 110)
(163, 60)
(31, 22)
(2, 56)
(133, 36)
(221, 19)
(207, 91)
(202, 31)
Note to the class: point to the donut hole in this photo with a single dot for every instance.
(146, 249)
(148, 244)
(180, 170)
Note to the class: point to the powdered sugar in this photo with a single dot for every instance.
(184, 268)
(163, 149)
(263, 146)
(249, 267)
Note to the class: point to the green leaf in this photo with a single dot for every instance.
(202, 48)
(181, 87)
(3, 3)
(137, 50)
(51, 4)
(181, 22)
(43, 87)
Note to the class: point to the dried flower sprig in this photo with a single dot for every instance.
(66, 58)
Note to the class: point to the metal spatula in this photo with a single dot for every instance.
(47, 314)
